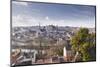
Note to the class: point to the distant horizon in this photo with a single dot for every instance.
(31, 14)
(53, 25)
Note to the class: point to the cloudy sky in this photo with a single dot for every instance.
(31, 14)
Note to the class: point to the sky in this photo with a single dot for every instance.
(33, 14)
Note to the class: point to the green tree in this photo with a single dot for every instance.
(84, 43)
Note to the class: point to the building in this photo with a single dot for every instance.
(68, 54)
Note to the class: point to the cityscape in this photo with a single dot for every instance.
(42, 34)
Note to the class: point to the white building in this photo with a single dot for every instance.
(67, 53)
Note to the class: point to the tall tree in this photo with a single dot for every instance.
(84, 43)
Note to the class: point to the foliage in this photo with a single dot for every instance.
(59, 51)
(84, 43)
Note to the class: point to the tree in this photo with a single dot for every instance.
(84, 43)
(59, 51)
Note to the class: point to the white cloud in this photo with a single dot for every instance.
(47, 18)
(20, 3)
(23, 20)
(26, 20)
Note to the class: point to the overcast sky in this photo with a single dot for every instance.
(31, 14)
